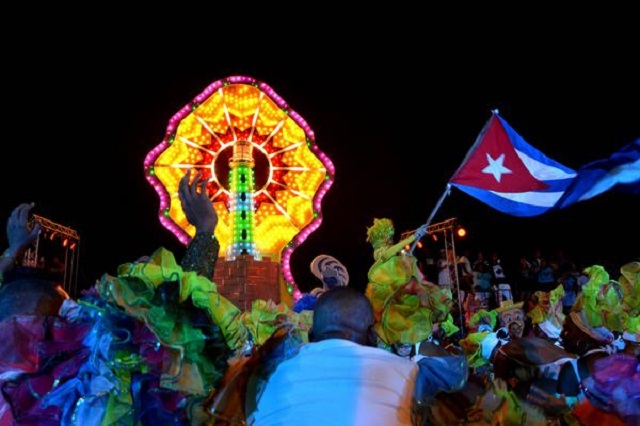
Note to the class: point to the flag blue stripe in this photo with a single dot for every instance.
(521, 145)
(505, 205)
(621, 171)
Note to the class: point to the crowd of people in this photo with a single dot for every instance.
(158, 344)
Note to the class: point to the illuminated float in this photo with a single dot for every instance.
(266, 180)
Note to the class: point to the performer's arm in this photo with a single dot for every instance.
(395, 249)
(201, 255)
(202, 252)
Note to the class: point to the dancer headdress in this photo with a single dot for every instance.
(380, 233)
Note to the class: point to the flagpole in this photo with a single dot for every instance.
(447, 191)
(433, 213)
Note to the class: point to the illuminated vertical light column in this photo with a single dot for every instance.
(241, 206)
(292, 175)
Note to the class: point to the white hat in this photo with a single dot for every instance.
(330, 271)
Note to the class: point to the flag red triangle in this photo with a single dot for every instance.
(494, 164)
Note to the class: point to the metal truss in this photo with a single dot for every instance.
(443, 226)
(71, 253)
(51, 226)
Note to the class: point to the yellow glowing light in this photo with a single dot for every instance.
(243, 112)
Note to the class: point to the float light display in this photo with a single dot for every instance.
(266, 175)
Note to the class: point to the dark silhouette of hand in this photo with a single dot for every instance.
(196, 203)
(19, 234)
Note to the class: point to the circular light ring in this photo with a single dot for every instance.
(298, 175)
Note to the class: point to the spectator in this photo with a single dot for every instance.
(27, 292)
(20, 236)
(465, 271)
(482, 272)
(572, 287)
(445, 264)
(24, 292)
(546, 276)
(340, 377)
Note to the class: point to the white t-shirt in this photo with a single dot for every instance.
(338, 382)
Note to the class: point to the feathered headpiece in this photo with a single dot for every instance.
(380, 233)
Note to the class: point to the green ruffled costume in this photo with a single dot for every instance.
(470, 344)
(549, 307)
(630, 287)
(600, 300)
(265, 317)
(134, 290)
(400, 318)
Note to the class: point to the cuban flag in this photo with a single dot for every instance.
(620, 172)
(505, 172)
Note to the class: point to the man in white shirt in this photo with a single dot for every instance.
(340, 377)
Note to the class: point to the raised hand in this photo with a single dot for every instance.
(19, 235)
(196, 203)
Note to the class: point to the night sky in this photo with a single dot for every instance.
(396, 122)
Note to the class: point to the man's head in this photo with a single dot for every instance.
(343, 313)
(30, 296)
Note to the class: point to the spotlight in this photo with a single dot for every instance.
(461, 232)
(65, 242)
(434, 237)
(52, 236)
(72, 246)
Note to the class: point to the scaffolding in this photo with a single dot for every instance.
(68, 238)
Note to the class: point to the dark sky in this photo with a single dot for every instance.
(395, 114)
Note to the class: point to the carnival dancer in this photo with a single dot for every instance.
(546, 315)
(407, 307)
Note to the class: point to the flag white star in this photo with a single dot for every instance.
(495, 167)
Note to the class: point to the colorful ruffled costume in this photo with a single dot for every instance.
(630, 287)
(484, 323)
(600, 301)
(613, 392)
(168, 300)
(501, 406)
(547, 313)
(143, 347)
(266, 317)
(406, 307)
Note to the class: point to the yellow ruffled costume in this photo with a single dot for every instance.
(630, 287)
(406, 307)
(549, 307)
(134, 288)
(601, 301)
